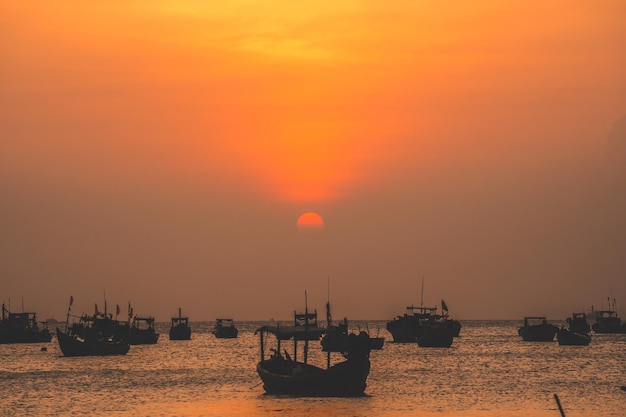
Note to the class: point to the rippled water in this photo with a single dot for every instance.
(488, 371)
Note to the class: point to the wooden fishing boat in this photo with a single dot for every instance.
(567, 337)
(142, 331)
(537, 329)
(418, 320)
(607, 321)
(225, 329)
(95, 335)
(22, 328)
(282, 374)
(180, 329)
(578, 323)
(74, 345)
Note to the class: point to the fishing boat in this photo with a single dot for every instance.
(282, 374)
(578, 323)
(95, 335)
(567, 337)
(537, 329)
(225, 329)
(142, 331)
(418, 320)
(22, 328)
(180, 329)
(440, 337)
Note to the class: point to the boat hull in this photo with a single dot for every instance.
(566, 337)
(441, 338)
(143, 337)
(226, 333)
(14, 336)
(538, 333)
(345, 379)
(180, 333)
(72, 346)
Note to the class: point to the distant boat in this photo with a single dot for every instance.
(537, 329)
(142, 331)
(607, 321)
(281, 374)
(225, 329)
(418, 320)
(180, 329)
(567, 337)
(96, 335)
(578, 323)
(22, 328)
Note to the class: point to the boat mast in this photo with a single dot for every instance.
(422, 296)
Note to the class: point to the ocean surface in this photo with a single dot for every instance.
(487, 372)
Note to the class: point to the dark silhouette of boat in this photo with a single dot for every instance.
(281, 374)
(567, 337)
(416, 321)
(180, 329)
(436, 336)
(22, 328)
(607, 321)
(578, 323)
(225, 329)
(96, 335)
(142, 331)
(537, 329)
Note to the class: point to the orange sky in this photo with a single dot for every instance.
(147, 141)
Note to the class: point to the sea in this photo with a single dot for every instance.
(489, 371)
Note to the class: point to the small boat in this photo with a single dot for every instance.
(418, 320)
(22, 328)
(142, 331)
(578, 323)
(436, 337)
(537, 329)
(95, 335)
(180, 329)
(567, 337)
(607, 321)
(281, 374)
(225, 329)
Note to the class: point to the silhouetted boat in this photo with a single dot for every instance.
(22, 328)
(225, 329)
(95, 335)
(180, 329)
(537, 329)
(284, 375)
(418, 320)
(142, 331)
(607, 321)
(567, 337)
(578, 323)
(440, 336)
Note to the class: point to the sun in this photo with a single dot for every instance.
(310, 222)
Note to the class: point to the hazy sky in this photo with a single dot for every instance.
(162, 151)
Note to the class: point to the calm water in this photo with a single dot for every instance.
(488, 371)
